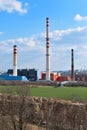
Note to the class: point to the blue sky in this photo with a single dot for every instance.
(23, 22)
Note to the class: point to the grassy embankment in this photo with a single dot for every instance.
(72, 93)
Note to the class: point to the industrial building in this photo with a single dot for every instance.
(55, 76)
(31, 74)
(81, 76)
(11, 78)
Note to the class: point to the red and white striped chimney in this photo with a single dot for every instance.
(14, 60)
(47, 50)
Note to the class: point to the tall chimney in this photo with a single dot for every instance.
(14, 60)
(47, 50)
(72, 65)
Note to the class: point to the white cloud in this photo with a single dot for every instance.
(56, 35)
(78, 17)
(13, 5)
(18, 41)
(25, 44)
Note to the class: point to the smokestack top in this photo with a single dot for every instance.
(47, 21)
(15, 49)
(72, 49)
(15, 45)
(47, 18)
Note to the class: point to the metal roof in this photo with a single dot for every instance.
(10, 77)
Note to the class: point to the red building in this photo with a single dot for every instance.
(63, 78)
(81, 77)
(54, 76)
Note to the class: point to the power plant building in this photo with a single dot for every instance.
(31, 74)
(55, 76)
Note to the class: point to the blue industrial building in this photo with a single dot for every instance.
(15, 78)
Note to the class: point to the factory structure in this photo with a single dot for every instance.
(31, 74)
(14, 75)
(19, 74)
(55, 76)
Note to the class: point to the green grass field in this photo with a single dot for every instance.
(72, 93)
(61, 93)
